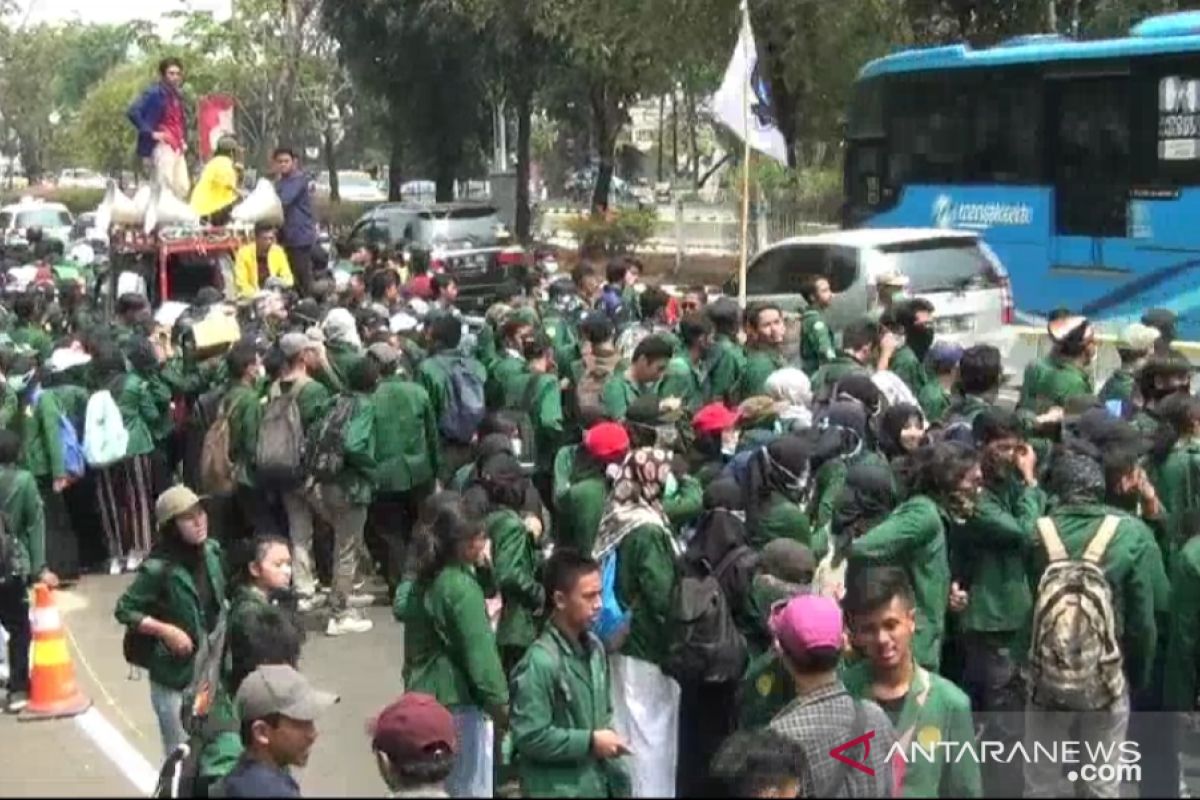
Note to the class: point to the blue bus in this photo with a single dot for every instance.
(1079, 161)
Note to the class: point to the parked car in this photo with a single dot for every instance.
(80, 178)
(466, 240)
(53, 218)
(954, 270)
(353, 185)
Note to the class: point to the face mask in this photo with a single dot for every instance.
(729, 443)
(20, 382)
(920, 339)
(670, 487)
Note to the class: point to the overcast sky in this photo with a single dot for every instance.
(110, 12)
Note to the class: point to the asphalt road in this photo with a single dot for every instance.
(58, 758)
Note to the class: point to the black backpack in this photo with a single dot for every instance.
(527, 453)
(327, 454)
(706, 646)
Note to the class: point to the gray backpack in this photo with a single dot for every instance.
(1075, 660)
(279, 457)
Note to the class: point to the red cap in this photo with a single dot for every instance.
(413, 728)
(714, 418)
(607, 442)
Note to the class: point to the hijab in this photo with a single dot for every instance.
(892, 425)
(792, 389)
(780, 467)
(340, 327)
(637, 486)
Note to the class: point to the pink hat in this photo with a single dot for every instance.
(807, 622)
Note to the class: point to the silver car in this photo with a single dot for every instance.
(954, 270)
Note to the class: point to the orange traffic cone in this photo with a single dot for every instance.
(52, 689)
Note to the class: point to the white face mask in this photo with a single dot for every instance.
(729, 442)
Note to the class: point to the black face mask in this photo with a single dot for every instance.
(920, 339)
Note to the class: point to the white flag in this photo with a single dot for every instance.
(743, 103)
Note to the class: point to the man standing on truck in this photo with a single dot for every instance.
(161, 121)
(299, 232)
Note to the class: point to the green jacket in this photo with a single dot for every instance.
(1177, 481)
(542, 401)
(507, 367)
(244, 406)
(1183, 636)
(358, 443)
(313, 400)
(1133, 565)
(766, 689)
(563, 336)
(560, 696)
(24, 521)
(434, 375)
(723, 371)
(830, 479)
(1032, 380)
(35, 338)
(684, 380)
(165, 590)
(485, 346)
(41, 447)
(781, 519)
(564, 466)
(139, 412)
(10, 407)
(619, 393)
(816, 342)
(934, 400)
(406, 436)
(645, 583)
(579, 513)
(934, 710)
(161, 395)
(449, 648)
(833, 371)
(988, 554)
(909, 368)
(1063, 381)
(913, 537)
(517, 565)
(686, 505)
(760, 363)
(1119, 386)
(342, 356)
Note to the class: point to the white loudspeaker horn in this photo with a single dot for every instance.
(167, 210)
(118, 208)
(261, 205)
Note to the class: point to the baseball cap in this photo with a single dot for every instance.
(280, 689)
(944, 354)
(384, 353)
(607, 442)
(173, 502)
(714, 418)
(807, 622)
(293, 344)
(413, 728)
(1139, 338)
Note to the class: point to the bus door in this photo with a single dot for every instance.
(1089, 165)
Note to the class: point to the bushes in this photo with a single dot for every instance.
(77, 201)
(619, 231)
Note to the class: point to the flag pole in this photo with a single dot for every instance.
(745, 160)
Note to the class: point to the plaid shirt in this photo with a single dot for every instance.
(824, 719)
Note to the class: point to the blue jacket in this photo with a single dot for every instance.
(147, 112)
(299, 229)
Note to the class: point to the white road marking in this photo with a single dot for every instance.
(131, 763)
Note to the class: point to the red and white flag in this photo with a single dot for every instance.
(215, 112)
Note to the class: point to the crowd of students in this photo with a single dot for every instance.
(874, 521)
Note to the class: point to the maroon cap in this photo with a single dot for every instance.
(413, 728)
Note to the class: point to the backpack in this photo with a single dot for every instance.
(74, 460)
(201, 415)
(525, 449)
(612, 623)
(327, 451)
(216, 468)
(1075, 660)
(465, 406)
(590, 389)
(279, 456)
(706, 646)
(105, 439)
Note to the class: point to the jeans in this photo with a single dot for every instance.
(472, 772)
(1104, 729)
(168, 705)
(994, 685)
(348, 520)
(14, 616)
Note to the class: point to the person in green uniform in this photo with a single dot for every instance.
(860, 353)
(560, 318)
(653, 304)
(846, 422)
(946, 481)
(1160, 379)
(174, 601)
(1134, 347)
(765, 332)
(635, 531)
(598, 361)
(582, 505)
(517, 331)
(777, 481)
(816, 338)
(714, 441)
(343, 347)
(450, 650)
(407, 456)
(434, 375)
(641, 378)
(923, 707)
(1069, 374)
(684, 377)
(562, 714)
(25, 527)
(534, 397)
(915, 319)
(726, 359)
(791, 389)
(30, 330)
(937, 395)
(1036, 370)
(1174, 469)
(242, 404)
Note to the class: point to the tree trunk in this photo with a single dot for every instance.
(443, 170)
(662, 106)
(674, 135)
(524, 218)
(693, 138)
(1051, 16)
(331, 163)
(606, 136)
(395, 165)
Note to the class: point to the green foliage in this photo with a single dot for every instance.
(77, 201)
(614, 232)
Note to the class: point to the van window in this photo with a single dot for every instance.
(784, 271)
(941, 265)
(44, 218)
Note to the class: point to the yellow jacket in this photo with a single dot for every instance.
(245, 268)
(217, 186)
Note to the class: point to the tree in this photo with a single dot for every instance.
(101, 135)
(29, 61)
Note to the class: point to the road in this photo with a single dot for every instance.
(61, 758)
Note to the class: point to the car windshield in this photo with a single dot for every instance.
(43, 218)
(475, 226)
(941, 265)
(355, 179)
